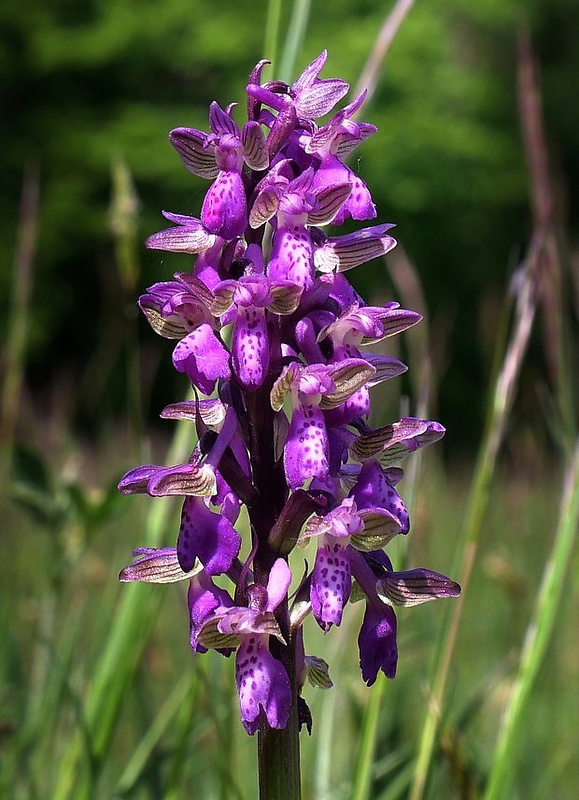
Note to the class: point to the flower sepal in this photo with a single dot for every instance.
(414, 587)
(157, 565)
(348, 375)
(158, 481)
(391, 443)
(380, 527)
(318, 672)
(225, 628)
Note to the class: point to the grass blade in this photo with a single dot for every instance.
(135, 617)
(538, 636)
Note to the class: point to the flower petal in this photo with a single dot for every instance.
(224, 211)
(373, 491)
(156, 565)
(202, 357)
(183, 479)
(207, 536)
(292, 256)
(254, 146)
(331, 583)
(262, 684)
(377, 643)
(306, 450)
(191, 146)
(250, 346)
(203, 599)
(278, 583)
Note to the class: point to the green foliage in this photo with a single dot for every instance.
(84, 84)
(179, 732)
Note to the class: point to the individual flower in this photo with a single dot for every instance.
(296, 204)
(185, 309)
(262, 682)
(384, 588)
(221, 155)
(251, 295)
(333, 142)
(338, 533)
(314, 388)
(309, 95)
(161, 565)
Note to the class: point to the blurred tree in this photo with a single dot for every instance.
(83, 84)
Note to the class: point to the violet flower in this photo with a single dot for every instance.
(277, 346)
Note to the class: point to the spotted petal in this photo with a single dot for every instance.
(306, 451)
(250, 347)
(224, 211)
(262, 684)
(331, 583)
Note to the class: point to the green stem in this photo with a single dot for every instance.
(18, 323)
(278, 751)
(365, 759)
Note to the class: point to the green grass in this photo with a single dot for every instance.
(178, 733)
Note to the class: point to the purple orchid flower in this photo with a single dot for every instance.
(340, 532)
(314, 388)
(310, 96)
(331, 143)
(262, 682)
(296, 204)
(221, 155)
(251, 295)
(276, 344)
(385, 588)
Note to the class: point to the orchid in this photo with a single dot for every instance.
(275, 343)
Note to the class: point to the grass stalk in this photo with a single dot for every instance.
(154, 733)
(500, 403)
(366, 753)
(124, 227)
(408, 284)
(539, 633)
(17, 334)
(271, 35)
(531, 289)
(134, 619)
(296, 32)
(370, 75)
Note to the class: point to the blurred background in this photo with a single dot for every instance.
(87, 86)
(88, 93)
